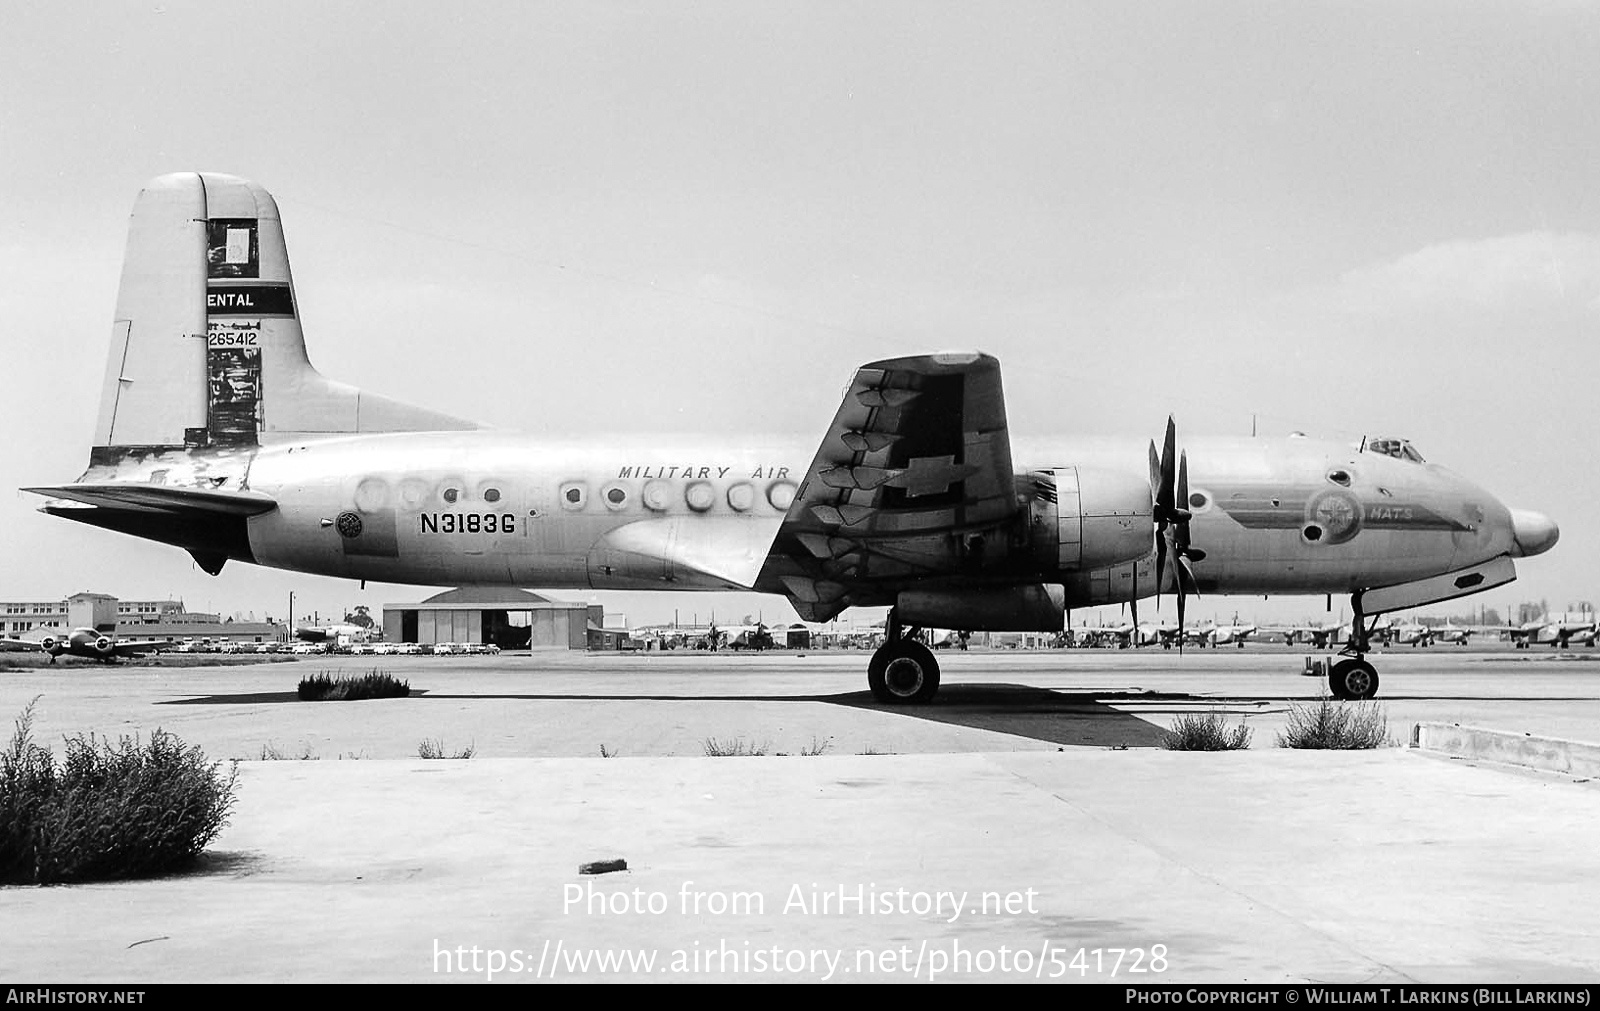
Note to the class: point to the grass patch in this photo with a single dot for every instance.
(606, 752)
(816, 747)
(435, 749)
(272, 753)
(107, 811)
(1332, 725)
(1208, 732)
(736, 748)
(320, 687)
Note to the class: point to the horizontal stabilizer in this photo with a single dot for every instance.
(161, 498)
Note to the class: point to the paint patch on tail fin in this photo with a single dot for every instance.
(206, 348)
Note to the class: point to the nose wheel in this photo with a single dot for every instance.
(902, 671)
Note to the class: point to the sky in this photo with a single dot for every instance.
(1338, 218)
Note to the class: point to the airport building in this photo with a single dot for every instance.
(141, 619)
(499, 616)
(88, 610)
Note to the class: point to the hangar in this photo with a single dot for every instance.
(504, 617)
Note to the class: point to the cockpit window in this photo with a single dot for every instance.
(1400, 449)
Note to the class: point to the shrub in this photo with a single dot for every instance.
(1210, 732)
(435, 749)
(735, 748)
(270, 752)
(1332, 725)
(816, 747)
(109, 810)
(320, 687)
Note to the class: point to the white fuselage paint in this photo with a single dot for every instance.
(488, 507)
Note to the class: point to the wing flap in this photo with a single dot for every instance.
(913, 472)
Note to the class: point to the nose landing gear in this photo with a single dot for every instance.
(1354, 678)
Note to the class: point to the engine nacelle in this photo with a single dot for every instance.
(49, 643)
(103, 644)
(1090, 518)
(1037, 608)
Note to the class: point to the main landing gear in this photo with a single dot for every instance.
(1353, 677)
(902, 671)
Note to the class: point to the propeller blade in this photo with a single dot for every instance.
(1168, 449)
(1155, 474)
(1135, 603)
(1161, 558)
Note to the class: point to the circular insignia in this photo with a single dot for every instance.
(348, 525)
(1338, 514)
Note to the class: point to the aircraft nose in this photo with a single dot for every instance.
(1532, 533)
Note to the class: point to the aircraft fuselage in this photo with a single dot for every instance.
(490, 507)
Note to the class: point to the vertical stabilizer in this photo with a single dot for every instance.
(206, 348)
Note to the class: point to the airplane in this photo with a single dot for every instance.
(1449, 632)
(1216, 635)
(338, 633)
(1317, 636)
(1560, 633)
(89, 643)
(217, 435)
(1413, 635)
(1164, 634)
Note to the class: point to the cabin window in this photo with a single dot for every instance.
(699, 496)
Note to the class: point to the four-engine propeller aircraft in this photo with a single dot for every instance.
(216, 435)
(1559, 632)
(90, 643)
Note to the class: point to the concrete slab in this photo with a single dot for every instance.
(1259, 866)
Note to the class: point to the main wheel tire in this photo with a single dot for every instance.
(903, 673)
(1353, 679)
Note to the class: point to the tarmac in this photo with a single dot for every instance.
(1026, 826)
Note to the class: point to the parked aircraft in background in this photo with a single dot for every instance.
(1214, 635)
(1450, 633)
(1560, 633)
(1165, 634)
(1317, 636)
(343, 634)
(1413, 635)
(89, 643)
(915, 496)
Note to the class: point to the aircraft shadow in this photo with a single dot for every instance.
(1075, 718)
(254, 698)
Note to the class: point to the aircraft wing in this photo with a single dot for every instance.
(134, 647)
(10, 645)
(912, 475)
